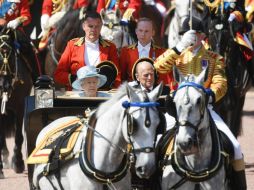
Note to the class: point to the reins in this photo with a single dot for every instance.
(109, 178)
(216, 162)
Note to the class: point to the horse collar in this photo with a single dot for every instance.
(205, 174)
(91, 171)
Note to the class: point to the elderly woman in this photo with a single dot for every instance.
(89, 80)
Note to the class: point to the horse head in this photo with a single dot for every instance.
(8, 70)
(192, 115)
(140, 123)
(111, 28)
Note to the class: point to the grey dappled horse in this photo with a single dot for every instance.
(129, 118)
(196, 161)
(113, 30)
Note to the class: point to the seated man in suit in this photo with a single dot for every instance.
(145, 78)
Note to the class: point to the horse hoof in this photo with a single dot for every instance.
(6, 164)
(18, 166)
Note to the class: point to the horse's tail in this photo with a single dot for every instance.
(7, 123)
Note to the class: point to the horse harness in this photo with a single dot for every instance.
(220, 157)
(129, 154)
(8, 75)
(55, 161)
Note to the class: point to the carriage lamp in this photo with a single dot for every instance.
(44, 90)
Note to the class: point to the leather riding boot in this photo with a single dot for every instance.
(238, 175)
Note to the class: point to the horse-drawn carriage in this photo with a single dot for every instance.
(65, 105)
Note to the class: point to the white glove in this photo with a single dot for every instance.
(44, 22)
(231, 17)
(189, 38)
(13, 24)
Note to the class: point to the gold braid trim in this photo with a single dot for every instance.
(212, 5)
(60, 4)
(22, 19)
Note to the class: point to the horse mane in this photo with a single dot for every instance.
(121, 92)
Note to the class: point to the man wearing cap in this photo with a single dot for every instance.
(89, 80)
(88, 50)
(190, 56)
(143, 48)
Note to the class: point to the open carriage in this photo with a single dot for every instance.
(64, 104)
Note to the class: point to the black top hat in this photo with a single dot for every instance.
(110, 70)
(147, 59)
(197, 25)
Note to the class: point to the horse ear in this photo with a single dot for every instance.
(156, 92)
(177, 75)
(202, 77)
(131, 93)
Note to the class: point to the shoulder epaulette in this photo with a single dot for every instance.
(79, 41)
(133, 46)
(104, 43)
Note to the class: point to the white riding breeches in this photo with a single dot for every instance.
(221, 125)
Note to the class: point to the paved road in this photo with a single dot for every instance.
(19, 181)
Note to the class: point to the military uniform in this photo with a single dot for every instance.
(127, 7)
(187, 62)
(129, 55)
(50, 7)
(15, 9)
(73, 58)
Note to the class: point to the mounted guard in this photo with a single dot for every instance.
(191, 57)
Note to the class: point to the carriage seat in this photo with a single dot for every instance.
(58, 142)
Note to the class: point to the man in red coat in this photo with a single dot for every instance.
(143, 48)
(88, 50)
(128, 8)
(14, 13)
(52, 12)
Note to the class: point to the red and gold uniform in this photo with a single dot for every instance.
(73, 58)
(128, 8)
(188, 63)
(129, 55)
(15, 9)
(50, 7)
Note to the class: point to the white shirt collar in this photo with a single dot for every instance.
(146, 47)
(92, 44)
(144, 51)
(144, 89)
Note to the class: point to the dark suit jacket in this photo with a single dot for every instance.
(165, 90)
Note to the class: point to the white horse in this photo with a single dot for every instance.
(196, 160)
(128, 119)
(113, 30)
(181, 12)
